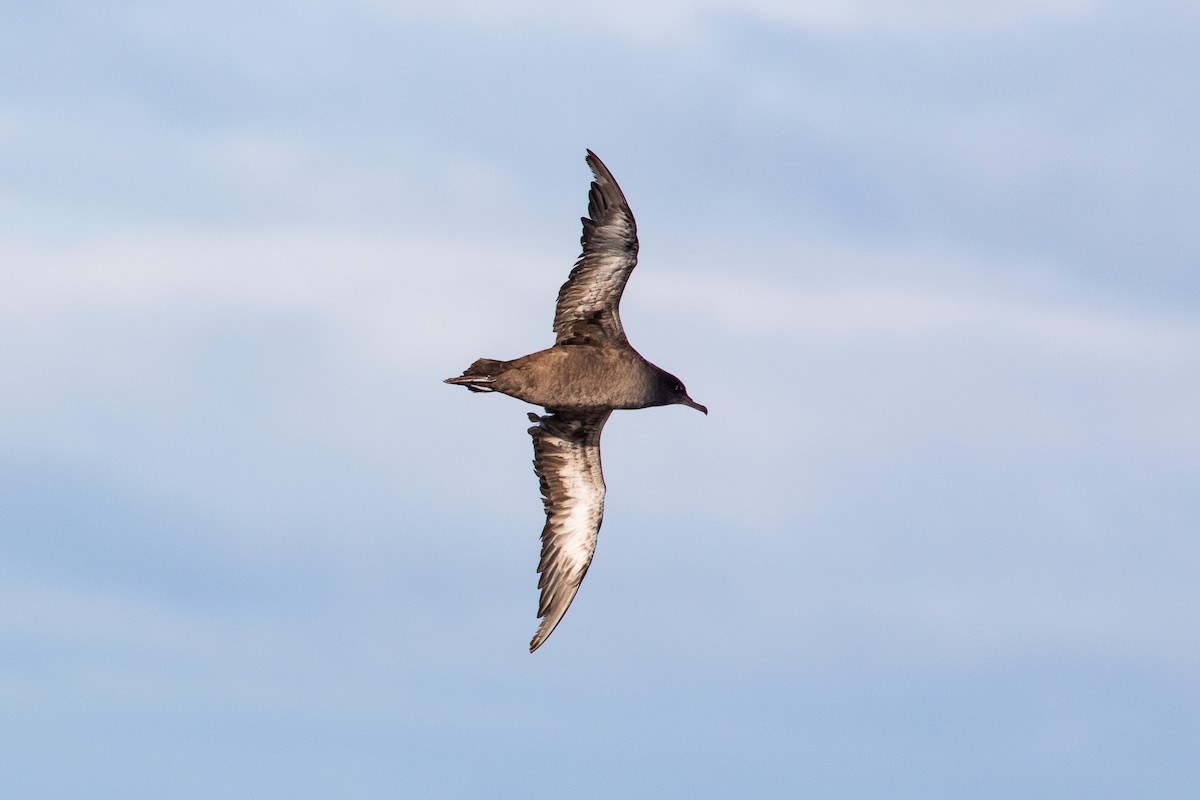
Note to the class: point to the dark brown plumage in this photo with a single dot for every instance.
(589, 372)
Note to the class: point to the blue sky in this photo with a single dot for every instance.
(932, 267)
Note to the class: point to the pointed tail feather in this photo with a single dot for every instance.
(476, 383)
(479, 375)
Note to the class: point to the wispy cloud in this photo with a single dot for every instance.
(678, 19)
(855, 309)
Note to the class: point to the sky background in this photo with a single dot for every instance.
(932, 266)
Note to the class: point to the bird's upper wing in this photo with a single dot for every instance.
(566, 457)
(587, 303)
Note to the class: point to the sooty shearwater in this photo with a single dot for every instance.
(590, 371)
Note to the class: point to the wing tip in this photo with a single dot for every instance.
(597, 165)
(549, 623)
(542, 634)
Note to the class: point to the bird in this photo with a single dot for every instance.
(589, 372)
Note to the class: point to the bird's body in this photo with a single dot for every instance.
(602, 377)
(589, 372)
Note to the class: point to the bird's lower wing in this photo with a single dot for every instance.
(566, 458)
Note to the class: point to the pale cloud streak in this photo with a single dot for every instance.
(680, 19)
(858, 311)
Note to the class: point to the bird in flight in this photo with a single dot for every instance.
(590, 371)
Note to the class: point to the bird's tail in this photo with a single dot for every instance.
(480, 375)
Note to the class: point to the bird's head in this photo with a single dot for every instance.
(671, 391)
